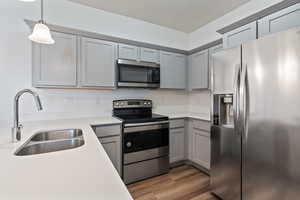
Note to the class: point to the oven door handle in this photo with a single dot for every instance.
(146, 124)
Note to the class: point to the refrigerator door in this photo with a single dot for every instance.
(225, 141)
(271, 141)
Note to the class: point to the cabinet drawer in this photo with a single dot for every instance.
(201, 125)
(177, 123)
(105, 131)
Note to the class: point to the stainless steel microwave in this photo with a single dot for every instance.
(138, 74)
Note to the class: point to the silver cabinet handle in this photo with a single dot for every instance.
(236, 99)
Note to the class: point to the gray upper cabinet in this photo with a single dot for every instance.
(199, 70)
(280, 21)
(56, 65)
(149, 55)
(240, 35)
(98, 63)
(128, 52)
(173, 70)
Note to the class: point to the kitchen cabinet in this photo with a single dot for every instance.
(149, 55)
(110, 138)
(280, 21)
(98, 63)
(176, 145)
(199, 142)
(55, 65)
(199, 70)
(240, 35)
(112, 146)
(177, 140)
(128, 52)
(173, 69)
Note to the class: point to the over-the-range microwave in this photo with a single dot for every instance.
(138, 74)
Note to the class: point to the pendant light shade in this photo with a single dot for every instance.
(41, 34)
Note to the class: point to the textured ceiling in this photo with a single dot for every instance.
(182, 15)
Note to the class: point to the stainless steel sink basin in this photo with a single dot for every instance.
(57, 135)
(51, 141)
(47, 147)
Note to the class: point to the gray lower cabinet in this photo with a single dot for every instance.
(128, 52)
(199, 143)
(280, 21)
(110, 138)
(97, 63)
(55, 65)
(199, 70)
(149, 55)
(240, 35)
(173, 70)
(112, 146)
(177, 141)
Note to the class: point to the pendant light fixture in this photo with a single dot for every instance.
(41, 33)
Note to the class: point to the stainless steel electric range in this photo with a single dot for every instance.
(145, 140)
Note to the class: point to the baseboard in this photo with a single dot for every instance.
(189, 162)
(178, 163)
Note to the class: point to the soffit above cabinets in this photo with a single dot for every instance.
(182, 15)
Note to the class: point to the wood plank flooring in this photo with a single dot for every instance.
(182, 183)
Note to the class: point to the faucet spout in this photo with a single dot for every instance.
(16, 130)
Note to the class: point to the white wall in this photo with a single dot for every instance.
(69, 14)
(15, 60)
(208, 32)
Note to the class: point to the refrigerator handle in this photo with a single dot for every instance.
(236, 99)
(244, 101)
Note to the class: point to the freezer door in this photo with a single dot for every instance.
(226, 163)
(225, 141)
(271, 143)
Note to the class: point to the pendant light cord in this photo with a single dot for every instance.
(42, 11)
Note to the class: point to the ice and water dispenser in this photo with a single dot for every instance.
(223, 109)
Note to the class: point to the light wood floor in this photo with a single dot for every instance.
(182, 183)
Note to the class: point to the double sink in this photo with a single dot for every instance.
(51, 141)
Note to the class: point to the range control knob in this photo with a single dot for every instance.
(128, 144)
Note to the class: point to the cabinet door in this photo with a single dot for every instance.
(199, 72)
(177, 145)
(56, 65)
(112, 146)
(240, 35)
(280, 21)
(149, 55)
(201, 148)
(173, 70)
(128, 52)
(98, 60)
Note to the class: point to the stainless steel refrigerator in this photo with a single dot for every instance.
(255, 129)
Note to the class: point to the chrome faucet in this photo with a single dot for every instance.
(16, 130)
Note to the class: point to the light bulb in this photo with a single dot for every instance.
(41, 34)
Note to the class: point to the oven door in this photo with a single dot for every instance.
(138, 74)
(145, 136)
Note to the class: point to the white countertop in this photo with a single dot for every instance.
(178, 115)
(84, 173)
